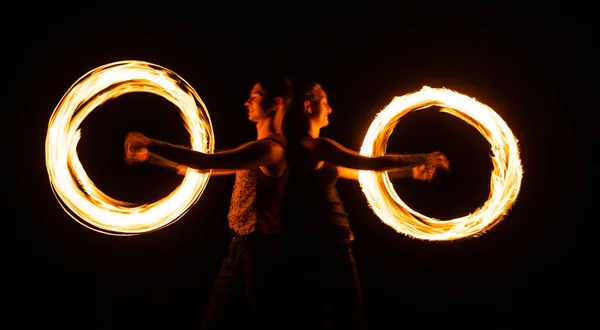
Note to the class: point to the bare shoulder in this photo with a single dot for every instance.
(310, 144)
(270, 144)
(328, 145)
(325, 140)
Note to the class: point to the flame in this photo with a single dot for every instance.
(74, 190)
(505, 179)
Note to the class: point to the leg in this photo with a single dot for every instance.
(263, 268)
(307, 286)
(227, 293)
(342, 287)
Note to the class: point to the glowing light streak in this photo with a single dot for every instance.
(505, 181)
(74, 190)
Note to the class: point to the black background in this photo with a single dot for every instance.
(532, 64)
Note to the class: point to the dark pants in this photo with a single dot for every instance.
(249, 288)
(325, 285)
(273, 282)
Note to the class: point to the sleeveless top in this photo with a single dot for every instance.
(257, 199)
(313, 206)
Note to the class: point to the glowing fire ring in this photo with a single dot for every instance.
(505, 177)
(78, 195)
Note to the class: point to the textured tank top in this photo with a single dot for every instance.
(256, 200)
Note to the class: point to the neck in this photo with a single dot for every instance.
(263, 129)
(314, 132)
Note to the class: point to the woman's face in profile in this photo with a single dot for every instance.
(254, 104)
(322, 111)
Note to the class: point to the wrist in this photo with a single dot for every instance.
(181, 169)
(412, 159)
(163, 162)
(155, 145)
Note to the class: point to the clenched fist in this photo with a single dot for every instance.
(136, 148)
(439, 160)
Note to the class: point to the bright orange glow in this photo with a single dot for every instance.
(78, 195)
(505, 177)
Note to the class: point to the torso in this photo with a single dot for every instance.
(257, 197)
(314, 206)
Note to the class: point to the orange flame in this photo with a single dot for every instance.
(78, 195)
(505, 178)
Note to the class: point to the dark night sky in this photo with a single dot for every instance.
(526, 63)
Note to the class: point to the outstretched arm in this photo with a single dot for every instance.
(249, 155)
(181, 169)
(332, 152)
(419, 172)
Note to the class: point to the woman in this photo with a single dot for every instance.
(252, 270)
(324, 269)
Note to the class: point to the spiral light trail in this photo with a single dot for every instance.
(505, 179)
(78, 195)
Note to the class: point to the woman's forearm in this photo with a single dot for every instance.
(177, 154)
(411, 159)
(392, 162)
(166, 163)
(405, 172)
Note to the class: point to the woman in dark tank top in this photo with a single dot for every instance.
(313, 204)
(323, 271)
